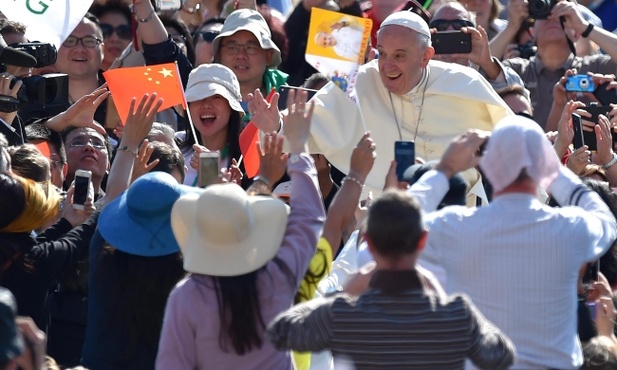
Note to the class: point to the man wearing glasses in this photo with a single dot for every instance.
(80, 56)
(453, 16)
(87, 149)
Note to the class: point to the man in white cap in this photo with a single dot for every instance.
(517, 258)
(404, 95)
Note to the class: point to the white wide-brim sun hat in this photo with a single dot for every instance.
(226, 232)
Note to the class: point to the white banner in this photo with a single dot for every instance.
(50, 21)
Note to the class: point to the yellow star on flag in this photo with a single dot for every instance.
(166, 72)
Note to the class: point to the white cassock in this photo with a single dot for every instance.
(448, 100)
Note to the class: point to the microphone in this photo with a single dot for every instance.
(13, 57)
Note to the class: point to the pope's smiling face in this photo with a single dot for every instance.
(401, 58)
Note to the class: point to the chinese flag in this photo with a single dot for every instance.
(248, 137)
(133, 82)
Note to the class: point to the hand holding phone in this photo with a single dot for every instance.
(577, 125)
(82, 187)
(405, 156)
(208, 168)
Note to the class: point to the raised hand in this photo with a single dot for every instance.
(141, 165)
(139, 120)
(273, 161)
(362, 158)
(81, 113)
(298, 121)
(264, 115)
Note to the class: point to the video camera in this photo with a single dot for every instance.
(45, 54)
(40, 90)
(541, 9)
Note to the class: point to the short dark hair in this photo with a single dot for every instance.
(315, 81)
(37, 131)
(170, 158)
(112, 6)
(7, 26)
(395, 224)
(70, 129)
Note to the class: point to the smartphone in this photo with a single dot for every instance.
(405, 156)
(580, 83)
(592, 274)
(82, 185)
(451, 42)
(577, 125)
(208, 168)
(165, 5)
(284, 92)
(604, 95)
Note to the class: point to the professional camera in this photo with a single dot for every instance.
(45, 54)
(46, 89)
(527, 50)
(540, 9)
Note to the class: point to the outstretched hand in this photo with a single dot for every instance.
(273, 161)
(139, 120)
(265, 115)
(362, 158)
(81, 113)
(298, 121)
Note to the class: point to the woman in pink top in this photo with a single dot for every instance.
(247, 255)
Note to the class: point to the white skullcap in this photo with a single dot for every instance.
(408, 20)
(518, 143)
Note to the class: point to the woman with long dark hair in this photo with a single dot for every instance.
(247, 255)
(213, 96)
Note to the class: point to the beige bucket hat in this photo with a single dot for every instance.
(251, 21)
(214, 79)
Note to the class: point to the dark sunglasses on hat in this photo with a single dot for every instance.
(443, 24)
(207, 36)
(123, 31)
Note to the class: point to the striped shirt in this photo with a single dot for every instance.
(396, 324)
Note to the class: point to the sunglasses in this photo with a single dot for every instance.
(443, 24)
(123, 31)
(207, 36)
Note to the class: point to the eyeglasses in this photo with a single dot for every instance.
(443, 24)
(207, 36)
(81, 142)
(232, 48)
(123, 31)
(87, 41)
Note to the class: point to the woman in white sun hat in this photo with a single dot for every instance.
(213, 97)
(247, 255)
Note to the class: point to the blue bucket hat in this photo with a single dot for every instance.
(11, 344)
(138, 221)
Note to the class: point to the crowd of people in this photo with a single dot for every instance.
(495, 249)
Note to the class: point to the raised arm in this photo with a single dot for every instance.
(138, 124)
(307, 212)
(346, 200)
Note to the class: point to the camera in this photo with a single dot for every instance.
(40, 90)
(46, 89)
(45, 54)
(540, 9)
(580, 83)
(527, 50)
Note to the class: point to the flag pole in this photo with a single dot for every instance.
(186, 106)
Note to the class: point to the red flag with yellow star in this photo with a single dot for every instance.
(133, 82)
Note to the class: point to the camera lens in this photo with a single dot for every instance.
(584, 83)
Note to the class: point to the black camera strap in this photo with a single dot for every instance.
(562, 21)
